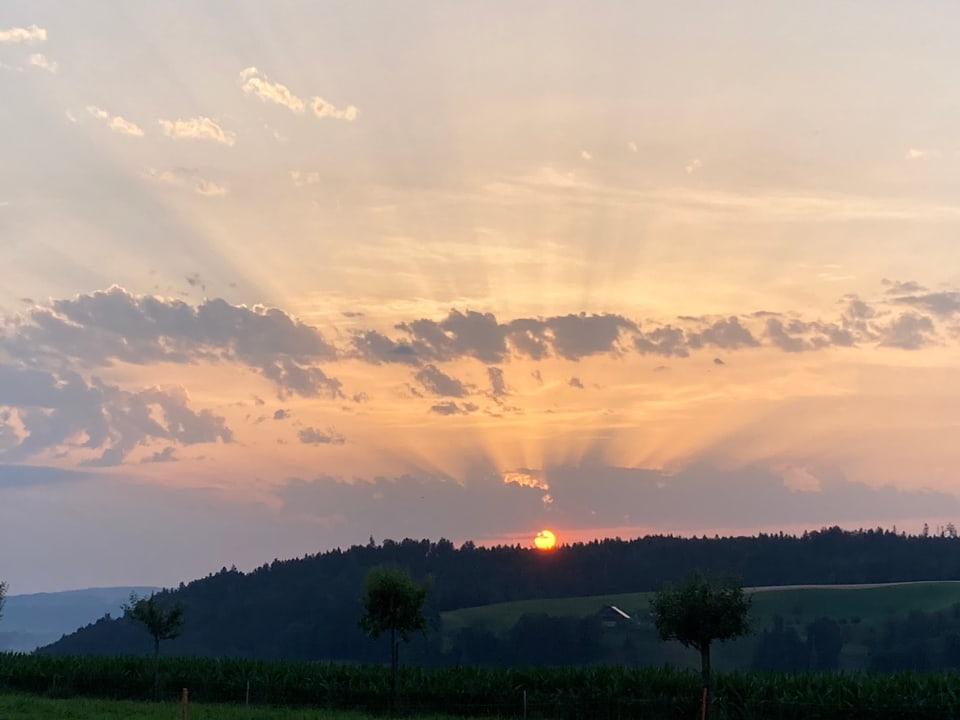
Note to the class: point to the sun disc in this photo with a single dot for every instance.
(545, 540)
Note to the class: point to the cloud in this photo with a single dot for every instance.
(718, 361)
(692, 166)
(943, 304)
(897, 287)
(313, 436)
(632, 146)
(498, 386)
(63, 411)
(281, 414)
(115, 325)
(43, 62)
(301, 179)
(115, 122)
(28, 35)
(575, 382)
(23, 476)
(437, 382)
(667, 341)
(916, 154)
(908, 332)
(585, 155)
(187, 179)
(726, 333)
(451, 408)
(322, 109)
(168, 454)
(255, 83)
(198, 128)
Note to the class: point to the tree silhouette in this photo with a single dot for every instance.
(698, 611)
(161, 624)
(393, 602)
(3, 596)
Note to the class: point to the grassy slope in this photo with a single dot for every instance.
(863, 606)
(17, 707)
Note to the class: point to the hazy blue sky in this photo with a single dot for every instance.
(277, 277)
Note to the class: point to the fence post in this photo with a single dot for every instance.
(184, 700)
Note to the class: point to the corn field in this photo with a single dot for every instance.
(597, 693)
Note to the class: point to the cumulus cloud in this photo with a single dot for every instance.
(323, 109)
(100, 328)
(450, 407)
(575, 382)
(189, 180)
(255, 83)
(909, 331)
(62, 411)
(29, 35)
(116, 123)
(168, 454)
(43, 62)
(435, 381)
(313, 436)
(198, 128)
(943, 304)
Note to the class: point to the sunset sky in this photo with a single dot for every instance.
(279, 277)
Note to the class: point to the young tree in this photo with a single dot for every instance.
(393, 603)
(3, 596)
(698, 611)
(161, 624)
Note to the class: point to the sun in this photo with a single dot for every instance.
(545, 540)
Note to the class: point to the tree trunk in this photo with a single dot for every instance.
(156, 669)
(394, 667)
(705, 677)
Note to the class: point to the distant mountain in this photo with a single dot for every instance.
(30, 621)
(308, 608)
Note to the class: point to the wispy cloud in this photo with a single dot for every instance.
(255, 83)
(43, 62)
(115, 122)
(184, 178)
(692, 166)
(323, 109)
(917, 154)
(29, 35)
(300, 178)
(586, 155)
(198, 128)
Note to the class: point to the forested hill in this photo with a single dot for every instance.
(308, 608)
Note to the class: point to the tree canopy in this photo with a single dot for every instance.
(160, 623)
(698, 611)
(393, 603)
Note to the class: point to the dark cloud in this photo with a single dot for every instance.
(194, 280)
(667, 341)
(436, 382)
(498, 386)
(168, 454)
(281, 414)
(376, 348)
(59, 411)
(23, 476)
(575, 382)
(942, 304)
(908, 332)
(537, 376)
(718, 361)
(313, 436)
(726, 333)
(114, 325)
(451, 408)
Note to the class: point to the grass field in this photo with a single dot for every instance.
(21, 707)
(861, 607)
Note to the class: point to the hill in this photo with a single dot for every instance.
(30, 621)
(307, 609)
